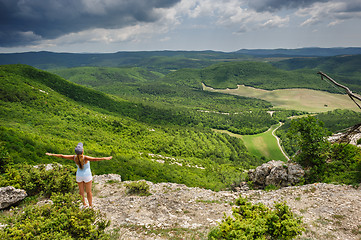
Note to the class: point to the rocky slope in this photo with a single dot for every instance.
(175, 211)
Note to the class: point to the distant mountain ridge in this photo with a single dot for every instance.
(302, 52)
(161, 60)
(173, 59)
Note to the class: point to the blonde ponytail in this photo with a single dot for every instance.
(79, 160)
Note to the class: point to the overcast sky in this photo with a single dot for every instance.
(137, 25)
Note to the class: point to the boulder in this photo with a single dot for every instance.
(278, 176)
(276, 173)
(258, 175)
(295, 173)
(10, 195)
(107, 178)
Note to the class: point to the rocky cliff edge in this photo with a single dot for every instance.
(175, 211)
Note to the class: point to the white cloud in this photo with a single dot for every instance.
(276, 21)
(331, 12)
(231, 14)
(136, 33)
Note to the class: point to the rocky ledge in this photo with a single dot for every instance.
(175, 211)
(10, 195)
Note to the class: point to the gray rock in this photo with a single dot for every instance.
(295, 173)
(10, 195)
(243, 186)
(106, 178)
(276, 173)
(258, 175)
(45, 201)
(49, 166)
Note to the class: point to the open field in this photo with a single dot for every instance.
(263, 144)
(296, 99)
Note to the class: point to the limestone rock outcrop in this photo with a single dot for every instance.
(177, 211)
(10, 195)
(276, 173)
(107, 178)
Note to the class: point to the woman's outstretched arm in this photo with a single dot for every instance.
(70, 157)
(93, 159)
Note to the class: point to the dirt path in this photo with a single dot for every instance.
(278, 141)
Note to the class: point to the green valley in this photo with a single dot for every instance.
(154, 116)
(41, 112)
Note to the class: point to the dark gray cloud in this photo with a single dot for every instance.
(25, 22)
(350, 6)
(275, 5)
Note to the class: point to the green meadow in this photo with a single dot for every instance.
(297, 98)
(261, 145)
(308, 100)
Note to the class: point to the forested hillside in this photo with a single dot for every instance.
(264, 76)
(301, 52)
(41, 112)
(344, 69)
(163, 61)
(183, 103)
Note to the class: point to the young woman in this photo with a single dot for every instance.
(83, 174)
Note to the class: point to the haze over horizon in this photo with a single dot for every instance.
(107, 26)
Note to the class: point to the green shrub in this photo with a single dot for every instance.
(35, 180)
(344, 165)
(271, 187)
(138, 188)
(61, 220)
(258, 222)
(5, 158)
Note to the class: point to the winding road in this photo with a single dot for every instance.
(278, 141)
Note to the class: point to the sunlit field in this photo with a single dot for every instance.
(262, 145)
(296, 99)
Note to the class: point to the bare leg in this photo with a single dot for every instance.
(81, 191)
(88, 188)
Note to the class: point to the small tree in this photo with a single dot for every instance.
(310, 136)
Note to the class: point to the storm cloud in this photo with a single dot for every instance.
(24, 22)
(110, 25)
(275, 5)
